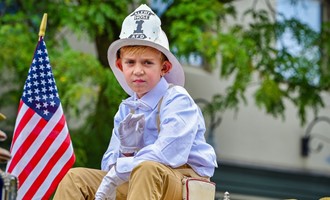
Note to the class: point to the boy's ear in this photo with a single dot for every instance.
(167, 66)
(119, 65)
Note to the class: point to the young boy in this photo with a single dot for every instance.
(158, 136)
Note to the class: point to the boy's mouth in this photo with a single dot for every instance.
(138, 81)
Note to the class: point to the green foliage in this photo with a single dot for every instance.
(325, 52)
(13, 62)
(192, 28)
(95, 17)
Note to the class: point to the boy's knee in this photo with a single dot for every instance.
(75, 174)
(148, 166)
(149, 170)
(71, 174)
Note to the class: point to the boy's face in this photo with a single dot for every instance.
(143, 70)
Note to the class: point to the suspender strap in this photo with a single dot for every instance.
(158, 109)
(158, 114)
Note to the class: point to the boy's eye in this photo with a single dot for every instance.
(148, 63)
(129, 62)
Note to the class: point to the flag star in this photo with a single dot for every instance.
(38, 98)
(43, 89)
(24, 94)
(40, 59)
(42, 67)
(52, 103)
(42, 74)
(45, 104)
(35, 76)
(46, 112)
(35, 83)
(38, 105)
(34, 68)
(34, 61)
(44, 97)
(50, 81)
(47, 58)
(49, 74)
(29, 77)
(39, 52)
(51, 88)
(51, 96)
(36, 91)
(30, 99)
(48, 66)
(28, 84)
(29, 92)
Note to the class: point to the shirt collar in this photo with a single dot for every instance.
(152, 97)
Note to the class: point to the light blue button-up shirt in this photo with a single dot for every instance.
(180, 139)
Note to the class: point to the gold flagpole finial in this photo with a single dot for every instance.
(43, 25)
(2, 116)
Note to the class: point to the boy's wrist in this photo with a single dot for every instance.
(128, 154)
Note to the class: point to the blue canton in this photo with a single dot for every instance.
(40, 91)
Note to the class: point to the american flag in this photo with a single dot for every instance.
(41, 147)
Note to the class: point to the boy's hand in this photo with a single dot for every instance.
(131, 131)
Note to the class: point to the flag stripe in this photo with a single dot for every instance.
(58, 178)
(56, 172)
(46, 170)
(38, 142)
(25, 146)
(16, 159)
(30, 182)
(41, 151)
(23, 118)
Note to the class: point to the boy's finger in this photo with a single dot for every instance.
(4, 155)
(3, 136)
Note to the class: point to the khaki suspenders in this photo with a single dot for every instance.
(158, 109)
(158, 114)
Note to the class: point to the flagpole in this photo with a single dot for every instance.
(43, 25)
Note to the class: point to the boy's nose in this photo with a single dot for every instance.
(138, 70)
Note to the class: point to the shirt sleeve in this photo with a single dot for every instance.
(112, 153)
(180, 120)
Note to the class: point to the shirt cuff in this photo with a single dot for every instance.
(124, 164)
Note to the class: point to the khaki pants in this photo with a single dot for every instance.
(148, 181)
